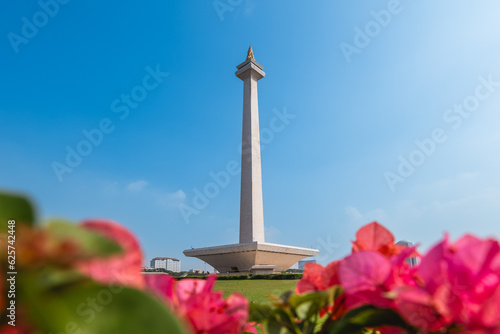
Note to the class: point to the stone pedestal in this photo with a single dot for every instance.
(242, 257)
(264, 269)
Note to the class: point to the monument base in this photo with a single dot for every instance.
(242, 257)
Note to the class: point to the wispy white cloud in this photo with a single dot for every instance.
(137, 185)
(356, 216)
(171, 199)
(147, 192)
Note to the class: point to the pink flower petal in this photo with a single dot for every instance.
(121, 269)
(188, 287)
(163, 284)
(365, 270)
(416, 306)
(330, 275)
(372, 237)
(311, 279)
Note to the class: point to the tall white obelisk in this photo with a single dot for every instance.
(251, 209)
(252, 254)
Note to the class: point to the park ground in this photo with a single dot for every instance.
(256, 290)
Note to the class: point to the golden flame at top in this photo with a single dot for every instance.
(250, 53)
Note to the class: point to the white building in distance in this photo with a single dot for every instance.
(167, 263)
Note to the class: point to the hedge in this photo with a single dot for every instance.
(277, 276)
(246, 276)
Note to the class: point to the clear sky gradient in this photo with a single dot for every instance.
(373, 110)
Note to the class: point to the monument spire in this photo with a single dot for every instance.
(251, 209)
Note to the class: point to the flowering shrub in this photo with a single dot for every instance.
(204, 309)
(86, 278)
(456, 285)
(454, 289)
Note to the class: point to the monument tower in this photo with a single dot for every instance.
(252, 254)
(251, 208)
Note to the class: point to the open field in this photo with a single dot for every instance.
(256, 290)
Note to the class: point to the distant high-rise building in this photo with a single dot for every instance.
(412, 260)
(195, 271)
(302, 263)
(167, 263)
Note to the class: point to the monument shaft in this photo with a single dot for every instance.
(251, 208)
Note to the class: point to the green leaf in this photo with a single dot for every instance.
(367, 316)
(334, 292)
(84, 306)
(17, 208)
(259, 312)
(272, 326)
(307, 305)
(91, 243)
(280, 322)
(285, 296)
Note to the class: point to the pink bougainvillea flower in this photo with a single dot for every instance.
(372, 237)
(210, 313)
(189, 287)
(162, 284)
(364, 270)
(330, 275)
(123, 268)
(473, 274)
(311, 279)
(205, 310)
(456, 284)
(417, 307)
(366, 277)
(318, 278)
(377, 238)
(430, 303)
(476, 263)
(403, 274)
(487, 316)
(455, 287)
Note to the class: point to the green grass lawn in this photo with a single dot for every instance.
(256, 290)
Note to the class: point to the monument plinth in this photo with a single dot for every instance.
(252, 254)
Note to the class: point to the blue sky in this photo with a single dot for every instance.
(392, 111)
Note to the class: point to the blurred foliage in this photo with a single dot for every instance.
(15, 207)
(60, 303)
(315, 312)
(51, 296)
